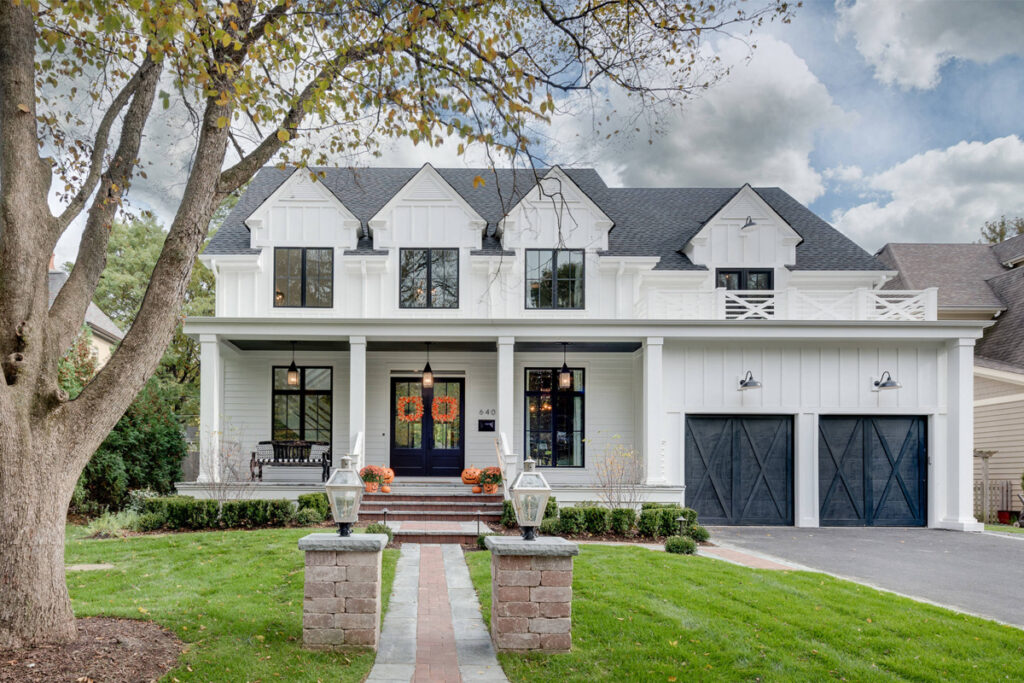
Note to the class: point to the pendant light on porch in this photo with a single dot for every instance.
(293, 370)
(428, 374)
(564, 375)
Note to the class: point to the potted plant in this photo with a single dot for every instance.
(470, 475)
(372, 477)
(490, 478)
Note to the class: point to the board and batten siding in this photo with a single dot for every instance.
(247, 407)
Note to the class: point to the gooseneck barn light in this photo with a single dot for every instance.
(748, 382)
(887, 382)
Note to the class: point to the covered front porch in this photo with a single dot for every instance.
(494, 398)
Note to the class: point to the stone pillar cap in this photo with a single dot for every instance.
(359, 543)
(546, 546)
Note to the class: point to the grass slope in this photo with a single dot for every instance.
(235, 598)
(642, 615)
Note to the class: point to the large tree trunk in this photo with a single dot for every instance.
(34, 496)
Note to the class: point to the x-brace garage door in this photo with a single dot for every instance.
(739, 469)
(872, 471)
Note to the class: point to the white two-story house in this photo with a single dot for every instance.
(737, 343)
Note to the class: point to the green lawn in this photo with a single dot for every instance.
(642, 615)
(234, 597)
(1004, 527)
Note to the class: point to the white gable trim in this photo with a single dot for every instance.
(380, 219)
(297, 179)
(536, 193)
(747, 193)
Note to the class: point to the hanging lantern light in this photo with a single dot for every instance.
(345, 493)
(293, 370)
(428, 374)
(564, 375)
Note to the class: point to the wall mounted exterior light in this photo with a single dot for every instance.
(886, 382)
(748, 382)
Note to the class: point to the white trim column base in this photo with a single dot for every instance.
(961, 525)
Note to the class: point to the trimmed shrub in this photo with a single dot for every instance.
(480, 543)
(182, 512)
(681, 545)
(508, 515)
(381, 528)
(316, 501)
(570, 521)
(307, 517)
(655, 506)
(255, 513)
(550, 527)
(137, 499)
(649, 524)
(551, 509)
(669, 526)
(596, 520)
(699, 533)
(149, 521)
(279, 512)
(622, 520)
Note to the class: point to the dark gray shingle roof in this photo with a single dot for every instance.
(1010, 250)
(655, 222)
(94, 317)
(959, 271)
(1004, 341)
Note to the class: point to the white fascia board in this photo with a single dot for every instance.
(258, 216)
(631, 263)
(747, 191)
(999, 375)
(476, 220)
(604, 222)
(221, 262)
(541, 329)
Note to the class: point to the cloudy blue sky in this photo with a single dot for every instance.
(896, 120)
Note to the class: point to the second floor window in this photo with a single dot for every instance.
(303, 278)
(743, 279)
(554, 278)
(428, 278)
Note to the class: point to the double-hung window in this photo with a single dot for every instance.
(303, 278)
(428, 278)
(302, 412)
(554, 278)
(554, 418)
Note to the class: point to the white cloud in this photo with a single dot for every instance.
(908, 42)
(758, 126)
(844, 174)
(942, 195)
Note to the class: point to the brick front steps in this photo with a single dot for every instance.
(437, 507)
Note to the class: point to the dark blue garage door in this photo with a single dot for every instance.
(739, 470)
(872, 471)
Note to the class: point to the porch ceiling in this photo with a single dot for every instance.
(441, 346)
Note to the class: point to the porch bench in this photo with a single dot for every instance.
(290, 454)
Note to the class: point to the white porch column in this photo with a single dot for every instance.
(958, 508)
(356, 391)
(805, 474)
(654, 414)
(506, 397)
(211, 409)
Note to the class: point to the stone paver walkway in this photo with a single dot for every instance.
(433, 630)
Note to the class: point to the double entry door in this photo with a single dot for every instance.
(427, 427)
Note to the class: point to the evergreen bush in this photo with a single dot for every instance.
(316, 501)
(570, 521)
(596, 520)
(622, 520)
(682, 545)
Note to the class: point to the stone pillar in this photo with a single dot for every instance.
(531, 593)
(341, 603)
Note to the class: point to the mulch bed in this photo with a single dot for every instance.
(107, 651)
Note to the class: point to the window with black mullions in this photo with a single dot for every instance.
(744, 279)
(303, 278)
(554, 418)
(302, 412)
(428, 278)
(554, 278)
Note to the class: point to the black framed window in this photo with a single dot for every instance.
(303, 278)
(554, 278)
(554, 418)
(428, 278)
(744, 279)
(302, 412)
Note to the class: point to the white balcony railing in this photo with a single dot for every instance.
(788, 304)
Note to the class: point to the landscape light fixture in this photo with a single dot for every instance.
(886, 382)
(428, 374)
(564, 375)
(748, 382)
(530, 494)
(293, 370)
(345, 493)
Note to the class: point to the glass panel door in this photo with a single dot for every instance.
(427, 427)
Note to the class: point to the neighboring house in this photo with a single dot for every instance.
(105, 332)
(981, 282)
(659, 301)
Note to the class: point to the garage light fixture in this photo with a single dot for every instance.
(886, 382)
(749, 382)
(749, 224)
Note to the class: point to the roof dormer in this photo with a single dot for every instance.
(556, 212)
(746, 231)
(302, 212)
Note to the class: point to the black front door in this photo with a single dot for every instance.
(739, 469)
(427, 428)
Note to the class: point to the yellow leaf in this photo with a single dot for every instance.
(222, 121)
(283, 135)
(478, 181)
(24, 108)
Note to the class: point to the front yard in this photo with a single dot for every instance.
(643, 615)
(234, 597)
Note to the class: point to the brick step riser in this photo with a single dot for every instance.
(426, 517)
(436, 505)
(380, 497)
(460, 539)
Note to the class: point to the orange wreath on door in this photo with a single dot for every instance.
(444, 409)
(404, 414)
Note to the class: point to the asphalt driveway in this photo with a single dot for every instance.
(978, 573)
